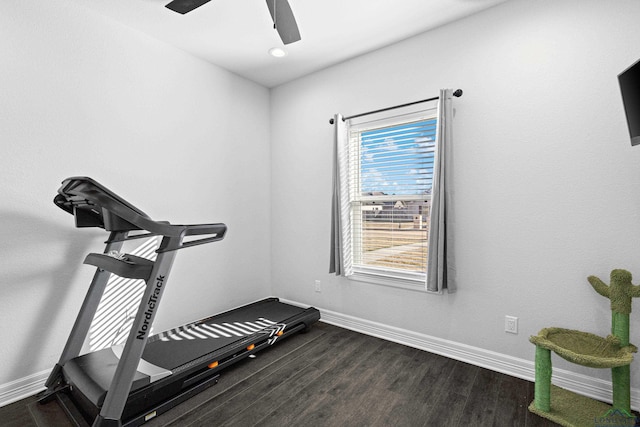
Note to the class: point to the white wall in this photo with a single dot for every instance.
(545, 178)
(547, 186)
(183, 140)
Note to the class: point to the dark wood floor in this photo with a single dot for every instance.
(335, 377)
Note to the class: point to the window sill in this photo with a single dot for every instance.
(412, 282)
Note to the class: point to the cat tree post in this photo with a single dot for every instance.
(620, 292)
(542, 397)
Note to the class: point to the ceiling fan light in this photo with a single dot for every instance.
(277, 52)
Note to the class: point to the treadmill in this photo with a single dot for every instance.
(127, 385)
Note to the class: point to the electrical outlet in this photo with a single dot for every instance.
(318, 286)
(511, 324)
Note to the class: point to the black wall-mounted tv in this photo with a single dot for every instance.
(629, 81)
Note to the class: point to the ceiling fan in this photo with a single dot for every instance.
(281, 14)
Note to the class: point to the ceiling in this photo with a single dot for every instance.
(237, 34)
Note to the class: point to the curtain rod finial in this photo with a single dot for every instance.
(457, 93)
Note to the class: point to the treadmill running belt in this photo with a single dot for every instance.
(174, 348)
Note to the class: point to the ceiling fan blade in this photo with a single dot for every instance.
(284, 20)
(184, 6)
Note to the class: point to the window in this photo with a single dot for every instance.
(390, 174)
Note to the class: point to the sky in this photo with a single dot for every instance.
(398, 159)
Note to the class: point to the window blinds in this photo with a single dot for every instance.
(390, 179)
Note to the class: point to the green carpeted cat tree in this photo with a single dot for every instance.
(615, 352)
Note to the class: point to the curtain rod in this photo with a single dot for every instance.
(457, 93)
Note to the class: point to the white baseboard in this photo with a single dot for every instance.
(22, 388)
(513, 366)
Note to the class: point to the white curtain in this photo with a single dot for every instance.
(440, 264)
(339, 213)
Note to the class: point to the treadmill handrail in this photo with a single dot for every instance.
(217, 230)
(93, 193)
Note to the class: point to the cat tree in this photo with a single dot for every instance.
(614, 352)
